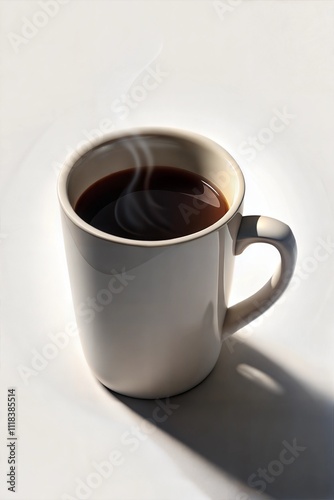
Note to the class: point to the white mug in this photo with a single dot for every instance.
(152, 315)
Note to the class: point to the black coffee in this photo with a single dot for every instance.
(152, 203)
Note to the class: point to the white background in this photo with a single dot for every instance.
(227, 68)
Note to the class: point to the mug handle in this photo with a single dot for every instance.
(260, 229)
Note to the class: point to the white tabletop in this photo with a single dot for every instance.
(257, 77)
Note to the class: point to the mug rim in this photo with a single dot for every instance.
(171, 132)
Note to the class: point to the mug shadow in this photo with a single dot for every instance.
(242, 418)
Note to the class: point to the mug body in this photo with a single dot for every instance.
(151, 313)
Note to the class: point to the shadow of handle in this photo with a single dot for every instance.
(259, 229)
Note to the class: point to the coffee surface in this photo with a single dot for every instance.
(152, 203)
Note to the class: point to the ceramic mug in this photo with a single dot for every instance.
(152, 315)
